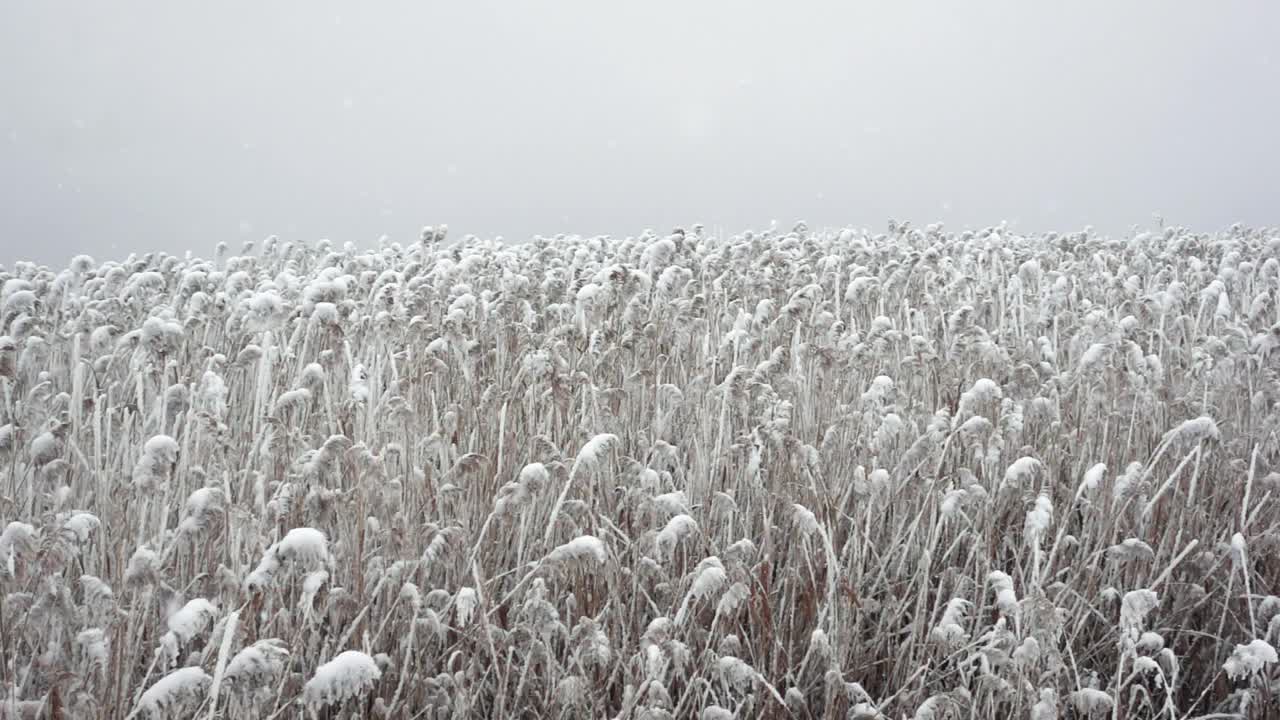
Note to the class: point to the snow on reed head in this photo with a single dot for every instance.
(1038, 519)
(465, 602)
(585, 547)
(592, 452)
(1130, 549)
(1134, 608)
(513, 496)
(1022, 471)
(306, 547)
(1249, 659)
(202, 504)
(257, 664)
(184, 624)
(1091, 701)
(949, 631)
(805, 521)
(81, 525)
(676, 529)
(158, 456)
(1006, 598)
(180, 689)
(708, 579)
(348, 675)
(16, 535)
(1092, 479)
(1194, 430)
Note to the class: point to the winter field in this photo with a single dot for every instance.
(838, 474)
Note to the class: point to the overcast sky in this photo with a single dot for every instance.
(129, 126)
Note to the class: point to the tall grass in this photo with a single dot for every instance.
(780, 474)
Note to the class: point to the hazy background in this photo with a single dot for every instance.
(130, 126)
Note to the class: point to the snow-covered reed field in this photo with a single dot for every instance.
(784, 474)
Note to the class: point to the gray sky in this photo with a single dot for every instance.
(129, 126)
